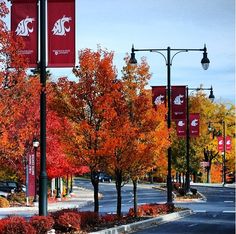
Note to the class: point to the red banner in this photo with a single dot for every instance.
(181, 127)
(178, 102)
(158, 95)
(228, 143)
(220, 143)
(31, 175)
(61, 33)
(194, 122)
(24, 24)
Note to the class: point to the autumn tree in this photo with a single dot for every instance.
(198, 103)
(148, 134)
(87, 105)
(204, 147)
(18, 97)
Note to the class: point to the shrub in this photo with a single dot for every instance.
(109, 218)
(152, 209)
(17, 225)
(88, 218)
(68, 221)
(193, 190)
(4, 202)
(42, 224)
(2, 224)
(181, 191)
(57, 213)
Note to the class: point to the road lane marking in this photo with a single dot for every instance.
(228, 201)
(199, 211)
(192, 225)
(228, 211)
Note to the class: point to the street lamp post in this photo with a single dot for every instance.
(211, 97)
(168, 59)
(43, 203)
(36, 145)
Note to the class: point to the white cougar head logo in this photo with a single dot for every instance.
(181, 123)
(159, 100)
(178, 100)
(23, 28)
(194, 122)
(59, 28)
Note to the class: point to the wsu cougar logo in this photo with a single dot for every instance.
(59, 28)
(159, 100)
(23, 28)
(181, 123)
(194, 123)
(179, 100)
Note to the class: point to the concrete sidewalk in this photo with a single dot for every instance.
(79, 198)
(217, 185)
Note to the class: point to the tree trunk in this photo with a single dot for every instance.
(135, 197)
(95, 183)
(208, 169)
(118, 190)
(150, 177)
(195, 177)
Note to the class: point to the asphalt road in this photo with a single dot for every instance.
(205, 223)
(108, 203)
(215, 215)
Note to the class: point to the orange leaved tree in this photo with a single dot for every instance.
(87, 105)
(137, 135)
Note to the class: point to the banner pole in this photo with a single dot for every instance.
(43, 173)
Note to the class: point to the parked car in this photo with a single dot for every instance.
(4, 194)
(104, 177)
(10, 186)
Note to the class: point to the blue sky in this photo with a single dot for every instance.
(184, 24)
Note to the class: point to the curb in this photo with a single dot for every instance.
(145, 224)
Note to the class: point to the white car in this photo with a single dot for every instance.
(4, 194)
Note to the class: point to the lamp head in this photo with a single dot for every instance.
(132, 60)
(211, 96)
(35, 143)
(209, 127)
(205, 61)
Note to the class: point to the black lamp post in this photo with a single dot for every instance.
(168, 59)
(211, 129)
(36, 145)
(43, 202)
(211, 97)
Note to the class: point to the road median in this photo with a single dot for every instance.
(145, 224)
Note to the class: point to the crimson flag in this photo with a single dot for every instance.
(181, 127)
(228, 143)
(178, 102)
(194, 121)
(61, 33)
(24, 24)
(158, 95)
(220, 143)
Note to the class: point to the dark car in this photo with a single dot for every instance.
(10, 186)
(104, 177)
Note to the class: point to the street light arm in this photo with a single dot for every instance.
(176, 54)
(205, 61)
(161, 55)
